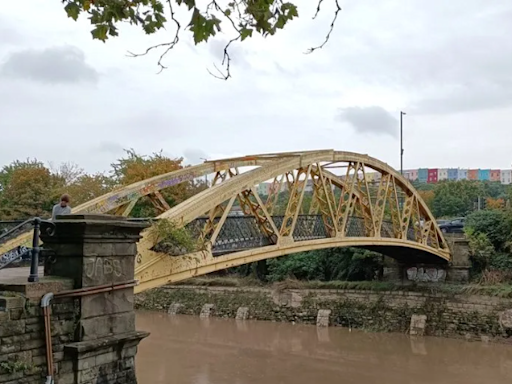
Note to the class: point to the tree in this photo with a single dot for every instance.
(455, 198)
(428, 197)
(27, 189)
(494, 224)
(87, 187)
(135, 167)
(243, 18)
(327, 264)
(491, 203)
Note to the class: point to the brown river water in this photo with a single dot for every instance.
(189, 350)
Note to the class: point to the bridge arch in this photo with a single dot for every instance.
(411, 233)
(368, 204)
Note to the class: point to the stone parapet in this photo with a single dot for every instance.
(94, 339)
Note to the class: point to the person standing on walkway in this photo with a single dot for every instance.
(61, 208)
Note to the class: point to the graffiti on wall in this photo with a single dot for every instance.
(12, 255)
(426, 274)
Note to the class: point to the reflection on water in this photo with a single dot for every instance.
(189, 350)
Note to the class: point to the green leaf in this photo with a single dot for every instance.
(100, 32)
(189, 3)
(202, 28)
(292, 10)
(73, 10)
(245, 33)
(281, 21)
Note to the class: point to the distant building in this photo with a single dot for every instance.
(473, 174)
(423, 175)
(505, 176)
(442, 174)
(432, 175)
(495, 175)
(411, 174)
(453, 173)
(462, 174)
(484, 174)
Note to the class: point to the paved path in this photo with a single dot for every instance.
(8, 273)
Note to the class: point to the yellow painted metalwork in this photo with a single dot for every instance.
(290, 170)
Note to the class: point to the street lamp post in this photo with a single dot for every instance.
(401, 143)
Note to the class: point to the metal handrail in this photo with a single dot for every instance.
(35, 250)
(14, 229)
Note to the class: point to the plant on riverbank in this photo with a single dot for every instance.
(490, 238)
(349, 264)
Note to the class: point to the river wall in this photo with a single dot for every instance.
(473, 317)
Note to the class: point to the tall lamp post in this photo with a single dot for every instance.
(401, 143)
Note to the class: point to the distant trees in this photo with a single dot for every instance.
(460, 198)
(29, 188)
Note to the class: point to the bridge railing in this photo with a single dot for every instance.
(243, 232)
(17, 228)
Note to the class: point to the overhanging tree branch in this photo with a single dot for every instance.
(246, 17)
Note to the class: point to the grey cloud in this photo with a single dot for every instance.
(110, 147)
(8, 34)
(54, 65)
(369, 120)
(194, 156)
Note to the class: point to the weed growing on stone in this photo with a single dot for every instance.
(169, 238)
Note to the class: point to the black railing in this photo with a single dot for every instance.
(237, 234)
(16, 229)
(243, 232)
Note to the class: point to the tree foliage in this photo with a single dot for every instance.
(240, 18)
(29, 188)
(135, 167)
(495, 225)
(456, 198)
(428, 197)
(326, 265)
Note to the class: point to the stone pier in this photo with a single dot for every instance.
(456, 271)
(94, 339)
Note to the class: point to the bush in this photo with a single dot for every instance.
(496, 225)
(328, 264)
(167, 237)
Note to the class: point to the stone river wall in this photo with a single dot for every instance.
(470, 316)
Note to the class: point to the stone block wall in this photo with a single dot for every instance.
(22, 339)
(23, 349)
(94, 339)
(469, 316)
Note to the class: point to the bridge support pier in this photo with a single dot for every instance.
(457, 271)
(459, 267)
(95, 252)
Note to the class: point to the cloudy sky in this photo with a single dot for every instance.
(448, 64)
